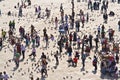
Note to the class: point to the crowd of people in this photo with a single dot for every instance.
(72, 41)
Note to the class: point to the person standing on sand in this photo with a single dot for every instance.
(0, 12)
(43, 56)
(83, 44)
(89, 4)
(13, 24)
(83, 20)
(78, 43)
(56, 22)
(98, 31)
(44, 67)
(44, 32)
(61, 7)
(37, 40)
(46, 40)
(96, 42)
(90, 41)
(39, 12)
(74, 37)
(56, 58)
(16, 59)
(60, 46)
(77, 24)
(27, 40)
(1, 43)
(66, 18)
(105, 17)
(22, 32)
(10, 25)
(20, 12)
(33, 41)
(66, 28)
(95, 62)
(83, 57)
(70, 38)
(87, 17)
(69, 51)
(117, 58)
(62, 16)
(23, 50)
(33, 53)
(18, 45)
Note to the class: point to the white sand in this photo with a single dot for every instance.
(62, 70)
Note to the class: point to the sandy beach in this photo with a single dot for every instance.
(28, 67)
